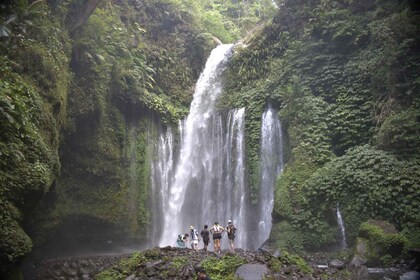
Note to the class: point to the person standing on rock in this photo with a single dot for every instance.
(231, 229)
(194, 238)
(205, 235)
(217, 230)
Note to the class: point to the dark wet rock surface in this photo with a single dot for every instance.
(83, 267)
(411, 275)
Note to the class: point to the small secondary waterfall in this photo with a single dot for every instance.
(271, 166)
(340, 222)
(202, 179)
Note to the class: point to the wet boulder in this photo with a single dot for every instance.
(412, 275)
(252, 271)
(337, 264)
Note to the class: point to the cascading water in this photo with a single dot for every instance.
(206, 181)
(271, 166)
(161, 176)
(340, 223)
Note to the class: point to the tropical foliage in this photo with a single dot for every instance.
(341, 74)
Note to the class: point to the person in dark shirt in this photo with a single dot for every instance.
(231, 229)
(205, 235)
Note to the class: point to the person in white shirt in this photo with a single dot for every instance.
(194, 238)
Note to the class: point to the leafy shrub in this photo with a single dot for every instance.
(110, 274)
(213, 22)
(367, 183)
(224, 268)
(124, 268)
(130, 264)
(275, 265)
(290, 259)
(381, 242)
(400, 131)
(287, 237)
(179, 262)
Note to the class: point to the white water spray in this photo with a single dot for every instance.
(206, 181)
(271, 166)
(196, 189)
(340, 222)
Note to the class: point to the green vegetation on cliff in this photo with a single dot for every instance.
(344, 77)
(33, 96)
(83, 86)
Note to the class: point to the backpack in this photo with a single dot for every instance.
(231, 231)
(194, 234)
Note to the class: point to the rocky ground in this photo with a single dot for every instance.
(176, 263)
(82, 267)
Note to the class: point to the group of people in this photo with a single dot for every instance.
(216, 231)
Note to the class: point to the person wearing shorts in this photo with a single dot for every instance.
(217, 230)
(231, 229)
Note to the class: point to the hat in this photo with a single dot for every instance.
(230, 221)
(191, 227)
(216, 223)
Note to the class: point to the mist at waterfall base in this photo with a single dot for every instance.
(199, 174)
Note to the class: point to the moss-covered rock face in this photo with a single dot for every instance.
(343, 76)
(78, 103)
(378, 243)
(33, 97)
(129, 76)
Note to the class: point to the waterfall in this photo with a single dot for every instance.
(202, 180)
(340, 223)
(208, 181)
(271, 166)
(161, 176)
